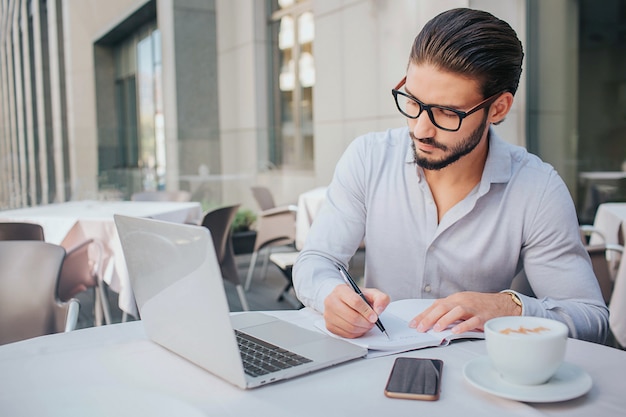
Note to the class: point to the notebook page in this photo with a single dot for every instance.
(401, 337)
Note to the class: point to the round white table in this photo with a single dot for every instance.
(116, 370)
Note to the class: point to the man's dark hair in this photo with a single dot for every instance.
(472, 43)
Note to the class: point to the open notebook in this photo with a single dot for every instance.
(402, 338)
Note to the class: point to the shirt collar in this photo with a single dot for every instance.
(498, 164)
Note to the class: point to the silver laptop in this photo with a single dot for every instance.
(179, 290)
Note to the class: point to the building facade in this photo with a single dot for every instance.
(99, 99)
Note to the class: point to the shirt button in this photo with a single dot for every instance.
(427, 288)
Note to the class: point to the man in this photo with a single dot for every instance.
(447, 209)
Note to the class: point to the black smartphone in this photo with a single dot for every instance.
(415, 379)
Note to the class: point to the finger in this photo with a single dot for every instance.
(457, 313)
(427, 319)
(355, 302)
(347, 329)
(365, 310)
(378, 299)
(417, 319)
(473, 323)
(340, 315)
(346, 322)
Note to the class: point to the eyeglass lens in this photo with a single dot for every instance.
(441, 117)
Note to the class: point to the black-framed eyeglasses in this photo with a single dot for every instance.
(445, 118)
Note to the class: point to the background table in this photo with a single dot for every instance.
(608, 219)
(116, 370)
(597, 187)
(68, 224)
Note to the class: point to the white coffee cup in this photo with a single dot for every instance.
(526, 350)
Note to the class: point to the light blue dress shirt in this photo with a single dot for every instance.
(520, 216)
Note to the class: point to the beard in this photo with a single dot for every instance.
(453, 154)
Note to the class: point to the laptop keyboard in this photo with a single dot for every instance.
(261, 358)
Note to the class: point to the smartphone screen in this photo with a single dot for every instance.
(415, 379)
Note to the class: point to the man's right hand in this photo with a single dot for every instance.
(347, 315)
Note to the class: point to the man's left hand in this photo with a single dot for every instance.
(470, 309)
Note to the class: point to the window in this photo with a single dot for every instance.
(292, 32)
(140, 140)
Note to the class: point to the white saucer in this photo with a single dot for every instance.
(569, 382)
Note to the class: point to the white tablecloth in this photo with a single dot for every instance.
(608, 219)
(70, 223)
(116, 370)
(309, 203)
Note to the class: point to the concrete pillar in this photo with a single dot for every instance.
(40, 123)
(5, 147)
(552, 56)
(20, 134)
(190, 94)
(29, 120)
(12, 157)
(55, 101)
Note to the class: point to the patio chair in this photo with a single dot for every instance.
(21, 231)
(81, 271)
(219, 223)
(275, 226)
(263, 197)
(587, 231)
(603, 259)
(285, 261)
(28, 281)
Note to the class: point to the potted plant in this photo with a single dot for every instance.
(243, 233)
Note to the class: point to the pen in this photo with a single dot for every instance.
(349, 280)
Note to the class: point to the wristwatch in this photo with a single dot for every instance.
(515, 298)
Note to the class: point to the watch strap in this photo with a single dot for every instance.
(514, 297)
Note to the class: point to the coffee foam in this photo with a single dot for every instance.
(524, 330)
